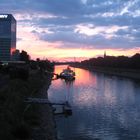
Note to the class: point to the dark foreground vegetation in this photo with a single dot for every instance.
(121, 65)
(19, 120)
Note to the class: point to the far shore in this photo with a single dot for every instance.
(128, 73)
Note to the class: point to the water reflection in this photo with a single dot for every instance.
(104, 107)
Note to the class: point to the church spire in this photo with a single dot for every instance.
(104, 54)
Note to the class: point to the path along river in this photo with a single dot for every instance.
(104, 107)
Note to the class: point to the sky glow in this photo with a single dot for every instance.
(61, 30)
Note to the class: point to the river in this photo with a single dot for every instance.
(103, 107)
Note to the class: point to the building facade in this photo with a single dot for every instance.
(7, 37)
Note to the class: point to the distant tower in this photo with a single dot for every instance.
(104, 54)
(7, 37)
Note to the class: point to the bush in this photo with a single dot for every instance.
(21, 73)
(22, 131)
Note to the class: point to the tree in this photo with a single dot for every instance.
(24, 56)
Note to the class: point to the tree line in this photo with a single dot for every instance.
(113, 62)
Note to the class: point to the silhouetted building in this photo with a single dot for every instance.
(7, 37)
(104, 54)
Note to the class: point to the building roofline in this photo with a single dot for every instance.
(6, 15)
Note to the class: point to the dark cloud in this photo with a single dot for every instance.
(67, 14)
(96, 41)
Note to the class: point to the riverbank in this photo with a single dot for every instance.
(128, 73)
(19, 120)
(45, 128)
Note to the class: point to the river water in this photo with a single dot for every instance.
(103, 107)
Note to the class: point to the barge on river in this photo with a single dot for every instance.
(67, 74)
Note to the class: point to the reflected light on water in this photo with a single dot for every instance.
(84, 77)
(104, 107)
(59, 68)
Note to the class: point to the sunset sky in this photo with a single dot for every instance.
(64, 29)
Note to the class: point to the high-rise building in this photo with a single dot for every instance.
(7, 37)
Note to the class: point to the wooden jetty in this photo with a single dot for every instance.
(41, 101)
(66, 108)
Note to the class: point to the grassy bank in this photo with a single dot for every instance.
(19, 120)
(129, 73)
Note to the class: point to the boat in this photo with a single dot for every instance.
(67, 74)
